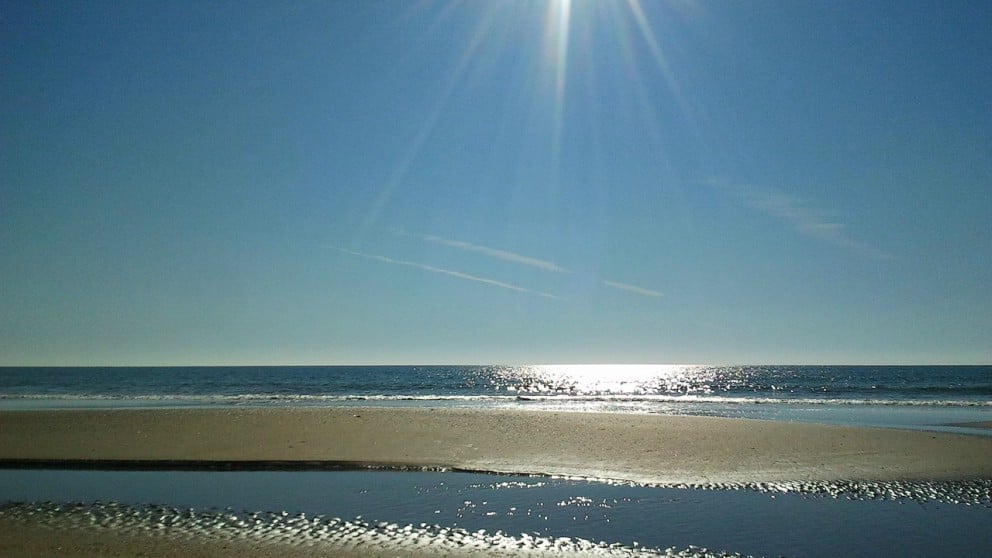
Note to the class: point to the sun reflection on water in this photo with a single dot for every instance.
(613, 379)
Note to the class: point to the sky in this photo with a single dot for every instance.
(443, 181)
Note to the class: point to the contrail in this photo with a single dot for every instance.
(449, 272)
(523, 260)
(632, 288)
(492, 252)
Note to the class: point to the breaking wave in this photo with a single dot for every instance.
(279, 399)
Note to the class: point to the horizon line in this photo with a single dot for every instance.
(413, 364)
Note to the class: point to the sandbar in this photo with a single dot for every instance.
(18, 539)
(654, 449)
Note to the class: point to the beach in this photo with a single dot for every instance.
(651, 449)
(630, 447)
(28, 540)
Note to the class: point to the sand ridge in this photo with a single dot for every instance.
(638, 448)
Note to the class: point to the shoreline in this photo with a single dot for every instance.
(981, 425)
(647, 449)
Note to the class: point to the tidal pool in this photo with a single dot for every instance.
(397, 508)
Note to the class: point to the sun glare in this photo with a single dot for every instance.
(607, 379)
(614, 46)
(556, 38)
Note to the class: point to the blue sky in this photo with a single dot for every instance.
(515, 182)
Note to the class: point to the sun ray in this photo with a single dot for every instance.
(657, 53)
(409, 156)
(559, 14)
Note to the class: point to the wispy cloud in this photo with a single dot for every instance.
(798, 214)
(492, 252)
(450, 273)
(632, 288)
(521, 259)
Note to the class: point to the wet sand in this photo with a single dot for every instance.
(640, 448)
(17, 539)
(24, 540)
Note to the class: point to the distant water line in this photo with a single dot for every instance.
(934, 395)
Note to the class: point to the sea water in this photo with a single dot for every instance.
(400, 510)
(931, 397)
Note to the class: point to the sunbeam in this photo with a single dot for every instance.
(410, 154)
(559, 14)
(657, 52)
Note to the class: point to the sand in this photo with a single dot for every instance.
(19, 540)
(640, 448)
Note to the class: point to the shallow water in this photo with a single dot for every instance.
(391, 507)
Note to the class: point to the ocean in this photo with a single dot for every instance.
(399, 510)
(928, 397)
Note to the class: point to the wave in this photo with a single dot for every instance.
(486, 400)
(690, 399)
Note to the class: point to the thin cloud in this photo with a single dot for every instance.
(492, 252)
(803, 218)
(523, 260)
(632, 288)
(450, 273)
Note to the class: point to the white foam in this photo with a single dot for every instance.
(562, 399)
